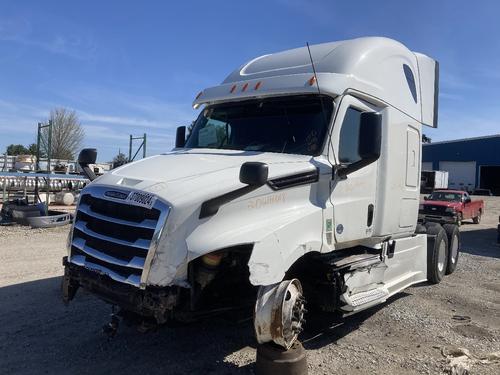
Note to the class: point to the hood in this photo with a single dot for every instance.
(178, 175)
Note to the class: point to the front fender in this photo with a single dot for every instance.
(283, 226)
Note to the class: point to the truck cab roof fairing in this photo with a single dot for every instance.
(372, 65)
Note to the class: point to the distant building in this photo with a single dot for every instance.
(471, 162)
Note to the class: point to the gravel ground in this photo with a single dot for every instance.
(408, 334)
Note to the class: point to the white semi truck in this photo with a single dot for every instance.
(299, 180)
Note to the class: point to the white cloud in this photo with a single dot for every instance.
(20, 31)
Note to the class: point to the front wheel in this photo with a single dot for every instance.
(437, 253)
(279, 313)
(477, 219)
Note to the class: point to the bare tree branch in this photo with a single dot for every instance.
(67, 134)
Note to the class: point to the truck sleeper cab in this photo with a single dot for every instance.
(292, 184)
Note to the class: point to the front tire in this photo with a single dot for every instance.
(453, 235)
(477, 219)
(437, 253)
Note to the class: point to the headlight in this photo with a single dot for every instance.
(450, 210)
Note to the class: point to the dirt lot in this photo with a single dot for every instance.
(38, 334)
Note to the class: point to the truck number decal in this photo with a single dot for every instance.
(141, 199)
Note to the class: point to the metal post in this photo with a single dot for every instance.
(49, 152)
(37, 163)
(130, 149)
(142, 145)
(24, 189)
(4, 190)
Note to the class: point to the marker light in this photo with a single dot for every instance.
(232, 89)
(312, 80)
(257, 85)
(244, 87)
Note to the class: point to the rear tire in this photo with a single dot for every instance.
(437, 253)
(453, 235)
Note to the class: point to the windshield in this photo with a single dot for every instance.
(444, 196)
(293, 125)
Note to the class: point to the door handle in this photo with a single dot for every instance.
(369, 219)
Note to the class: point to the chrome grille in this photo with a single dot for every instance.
(114, 236)
(434, 210)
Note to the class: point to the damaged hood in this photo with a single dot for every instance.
(178, 175)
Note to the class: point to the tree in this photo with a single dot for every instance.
(32, 149)
(426, 139)
(17, 150)
(67, 135)
(119, 159)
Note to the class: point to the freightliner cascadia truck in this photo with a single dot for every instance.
(299, 180)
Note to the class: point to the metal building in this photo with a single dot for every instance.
(471, 162)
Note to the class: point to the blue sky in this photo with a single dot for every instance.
(129, 67)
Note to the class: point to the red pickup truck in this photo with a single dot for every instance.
(450, 206)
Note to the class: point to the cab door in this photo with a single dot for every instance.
(468, 211)
(353, 197)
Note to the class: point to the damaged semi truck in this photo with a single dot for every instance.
(299, 181)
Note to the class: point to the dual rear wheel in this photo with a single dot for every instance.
(443, 249)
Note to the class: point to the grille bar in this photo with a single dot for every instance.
(146, 223)
(135, 262)
(117, 237)
(81, 261)
(140, 243)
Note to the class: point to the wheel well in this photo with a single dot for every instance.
(220, 275)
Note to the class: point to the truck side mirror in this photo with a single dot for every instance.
(369, 145)
(426, 198)
(180, 137)
(87, 156)
(254, 173)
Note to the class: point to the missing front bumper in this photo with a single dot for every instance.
(152, 302)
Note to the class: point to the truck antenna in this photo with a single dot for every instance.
(319, 93)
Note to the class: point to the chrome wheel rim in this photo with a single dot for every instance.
(441, 256)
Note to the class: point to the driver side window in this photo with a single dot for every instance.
(349, 137)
